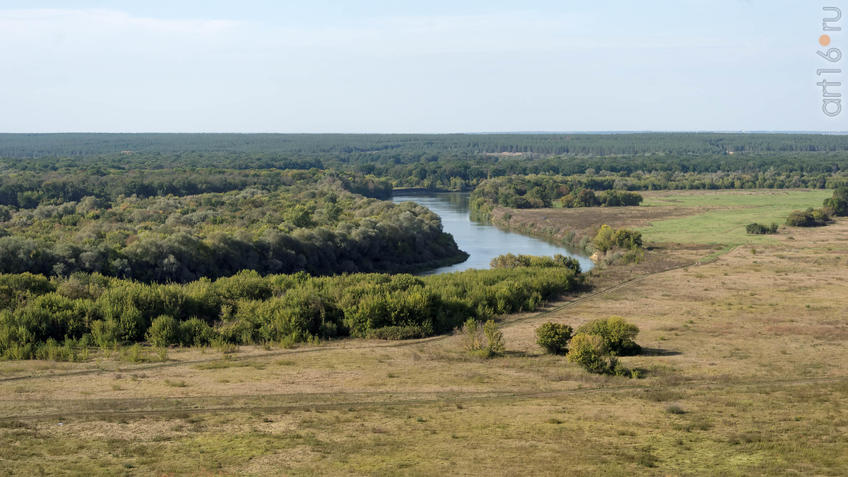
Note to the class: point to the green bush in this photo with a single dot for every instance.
(164, 331)
(760, 229)
(484, 340)
(591, 352)
(608, 239)
(472, 336)
(495, 345)
(195, 332)
(809, 218)
(554, 337)
(617, 335)
(838, 204)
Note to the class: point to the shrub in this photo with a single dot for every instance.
(808, 218)
(484, 340)
(195, 332)
(164, 331)
(838, 204)
(472, 335)
(616, 334)
(105, 333)
(495, 345)
(554, 337)
(608, 238)
(760, 229)
(591, 352)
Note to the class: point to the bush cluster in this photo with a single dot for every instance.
(608, 239)
(760, 229)
(809, 218)
(596, 346)
(512, 261)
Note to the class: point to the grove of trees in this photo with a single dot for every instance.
(40, 315)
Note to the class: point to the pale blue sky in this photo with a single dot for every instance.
(395, 66)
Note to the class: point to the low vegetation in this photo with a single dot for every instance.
(838, 204)
(809, 218)
(760, 229)
(595, 346)
(38, 313)
(608, 239)
(554, 337)
(485, 340)
(617, 335)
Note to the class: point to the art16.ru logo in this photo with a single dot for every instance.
(831, 90)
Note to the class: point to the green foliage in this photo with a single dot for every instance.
(554, 337)
(483, 339)
(305, 222)
(495, 344)
(248, 308)
(590, 352)
(473, 339)
(809, 218)
(398, 333)
(196, 332)
(608, 239)
(164, 331)
(838, 204)
(541, 191)
(619, 198)
(512, 261)
(760, 229)
(616, 333)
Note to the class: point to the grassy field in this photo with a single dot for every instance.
(744, 374)
(721, 216)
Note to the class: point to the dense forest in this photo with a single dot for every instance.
(440, 162)
(336, 145)
(313, 224)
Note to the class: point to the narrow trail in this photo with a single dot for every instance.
(508, 323)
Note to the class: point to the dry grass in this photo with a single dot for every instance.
(745, 374)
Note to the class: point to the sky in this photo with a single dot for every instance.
(416, 66)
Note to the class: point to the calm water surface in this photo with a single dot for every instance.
(482, 242)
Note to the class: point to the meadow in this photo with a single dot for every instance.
(742, 374)
(719, 217)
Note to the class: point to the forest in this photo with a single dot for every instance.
(434, 162)
(313, 224)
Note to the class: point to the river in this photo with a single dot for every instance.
(482, 242)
